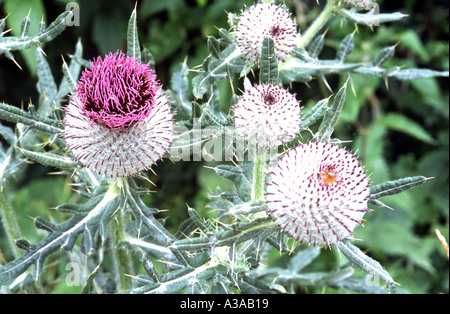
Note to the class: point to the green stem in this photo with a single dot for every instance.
(259, 175)
(317, 25)
(7, 216)
(121, 256)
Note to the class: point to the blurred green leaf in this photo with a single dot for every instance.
(403, 124)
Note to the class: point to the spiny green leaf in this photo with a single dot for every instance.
(51, 159)
(302, 54)
(89, 287)
(303, 258)
(316, 46)
(180, 88)
(332, 116)
(230, 62)
(371, 18)
(384, 55)
(296, 70)
(46, 86)
(345, 48)
(314, 113)
(247, 208)
(269, 65)
(62, 236)
(413, 74)
(238, 176)
(178, 280)
(20, 43)
(214, 46)
(133, 47)
(367, 264)
(14, 114)
(204, 226)
(240, 233)
(71, 72)
(24, 27)
(396, 186)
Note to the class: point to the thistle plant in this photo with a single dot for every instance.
(297, 190)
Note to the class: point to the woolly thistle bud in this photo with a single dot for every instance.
(318, 193)
(119, 121)
(265, 20)
(267, 116)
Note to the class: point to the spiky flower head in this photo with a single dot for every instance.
(265, 20)
(119, 121)
(318, 193)
(267, 116)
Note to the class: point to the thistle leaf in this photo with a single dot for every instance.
(413, 74)
(19, 43)
(269, 64)
(51, 159)
(133, 47)
(345, 48)
(71, 72)
(214, 46)
(215, 69)
(62, 236)
(316, 46)
(384, 55)
(395, 186)
(364, 262)
(46, 86)
(14, 114)
(314, 113)
(89, 287)
(24, 27)
(239, 177)
(332, 116)
(371, 18)
(180, 89)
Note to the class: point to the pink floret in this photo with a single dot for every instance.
(117, 91)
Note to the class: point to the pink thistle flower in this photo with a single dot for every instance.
(266, 20)
(267, 115)
(318, 193)
(119, 122)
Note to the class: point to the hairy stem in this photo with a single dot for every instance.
(121, 256)
(259, 168)
(317, 25)
(122, 259)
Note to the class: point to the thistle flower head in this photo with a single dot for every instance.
(265, 20)
(267, 115)
(119, 121)
(117, 91)
(318, 193)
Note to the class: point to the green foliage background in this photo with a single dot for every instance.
(399, 128)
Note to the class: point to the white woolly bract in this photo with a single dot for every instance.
(267, 116)
(318, 193)
(117, 153)
(266, 20)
